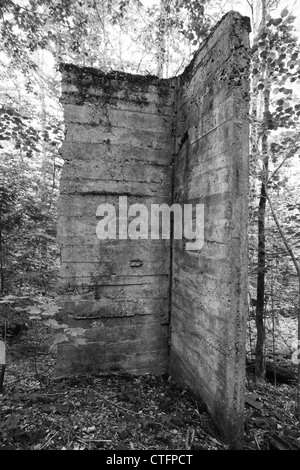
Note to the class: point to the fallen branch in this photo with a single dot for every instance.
(190, 434)
(49, 441)
(86, 441)
(256, 442)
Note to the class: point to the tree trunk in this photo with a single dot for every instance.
(263, 112)
(261, 262)
(297, 268)
(298, 377)
(260, 13)
(1, 239)
(161, 40)
(261, 258)
(1, 262)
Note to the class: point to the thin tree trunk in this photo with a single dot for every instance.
(259, 318)
(273, 328)
(298, 371)
(161, 43)
(1, 242)
(1, 262)
(263, 112)
(259, 352)
(297, 267)
(44, 163)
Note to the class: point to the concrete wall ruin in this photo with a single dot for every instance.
(211, 168)
(144, 305)
(118, 143)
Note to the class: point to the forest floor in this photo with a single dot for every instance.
(119, 411)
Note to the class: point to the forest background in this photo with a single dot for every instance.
(147, 37)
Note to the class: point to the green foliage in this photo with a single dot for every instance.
(275, 67)
(275, 139)
(197, 25)
(28, 244)
(125, 35)
(14, 126)
(14, 315)
(85, 32)
(108, 34)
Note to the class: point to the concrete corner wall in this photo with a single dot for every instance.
(151, 305)
(115, 292)
(211, 168)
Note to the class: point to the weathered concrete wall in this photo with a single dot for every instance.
(115, 292)
(211, 168)
(183, 140)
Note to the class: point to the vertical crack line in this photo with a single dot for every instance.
(174, 133)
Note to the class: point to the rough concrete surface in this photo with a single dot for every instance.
(151, 306)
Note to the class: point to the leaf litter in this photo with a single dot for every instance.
(107, 412)
(120, 411)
